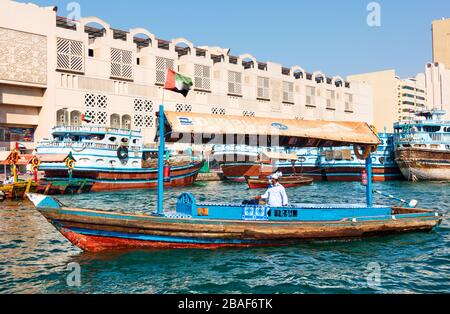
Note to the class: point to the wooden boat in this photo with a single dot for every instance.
(287, 181)
(64, 187)
(113, 159)
(16, 191)
(228, 225)
(330, 164)
(423, 147)
(210, 225)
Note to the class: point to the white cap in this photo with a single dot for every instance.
(276, 176)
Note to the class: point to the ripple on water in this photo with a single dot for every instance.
(34, 256)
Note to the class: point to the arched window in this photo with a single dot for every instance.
(126, 122)
(75, 118)
(62, 117)
(115, 121)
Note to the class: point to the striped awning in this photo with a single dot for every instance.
(185, 127)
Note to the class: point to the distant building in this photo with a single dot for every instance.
(438, 87)
(53, 71)
(395, 99)
(441, 42)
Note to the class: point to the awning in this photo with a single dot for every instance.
(24, 159)
(200, 128)
(279, 156)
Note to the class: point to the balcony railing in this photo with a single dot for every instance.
(94, 130)
(423, 137)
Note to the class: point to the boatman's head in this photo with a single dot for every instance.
(275, 177)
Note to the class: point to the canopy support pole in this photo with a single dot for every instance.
(160, 208)
(369, 188)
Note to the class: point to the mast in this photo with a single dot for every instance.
(160, 208)
(369, 189)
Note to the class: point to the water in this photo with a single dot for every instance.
(34, 256)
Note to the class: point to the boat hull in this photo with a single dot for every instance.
(286, 181)
(104, 180)
(424, 164)
(97, 231)
(238, 172)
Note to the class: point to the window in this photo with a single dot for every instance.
(263, 88)
(202, 77)
(91, 53)
(310, 96)
(121, 64)
(235, 83)
(62, 117)
(70, 55)
(162, 65)
(288, 92)
(348, 102)
(331, 97)
(138, 61)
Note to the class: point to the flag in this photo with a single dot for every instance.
(178, 83)
(86, 118)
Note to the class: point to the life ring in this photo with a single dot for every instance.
(35, 162)
(122, 153)
(367, 150)
(70, 164)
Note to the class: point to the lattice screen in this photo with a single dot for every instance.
(121, 64)
(218, 111)
(96, 104)
(139, 120)
(235, 82)
(248, 113)
(183, 108)
(162, 65)
(263, 87)
(144, 113)
(70, 55)
(202, 77)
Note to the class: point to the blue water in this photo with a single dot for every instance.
(34, 257)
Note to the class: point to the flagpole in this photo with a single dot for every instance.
(160, 208)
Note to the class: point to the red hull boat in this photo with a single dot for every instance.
(287, 182)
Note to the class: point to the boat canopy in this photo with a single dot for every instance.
(23, 159)
(198, 128)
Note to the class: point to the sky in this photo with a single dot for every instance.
(318, 35)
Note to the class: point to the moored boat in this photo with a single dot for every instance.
(422, 147)
(326, 164)
(286, 181)
(112, 159)
(209, 225)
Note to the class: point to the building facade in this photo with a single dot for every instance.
(395, 99)
(438, 87)
(441, 42)
(53, 71)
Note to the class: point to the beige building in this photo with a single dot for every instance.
(438, 87)
(395, 99)
(52, 71)
(441, 42)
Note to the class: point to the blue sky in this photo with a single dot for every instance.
(331, 36)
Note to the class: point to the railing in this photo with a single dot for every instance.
(422, 137)
(83, 145)
(94, 129)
